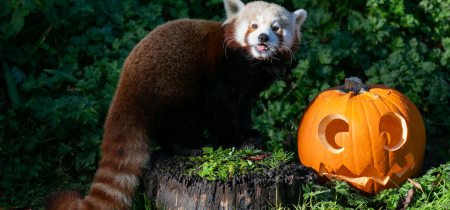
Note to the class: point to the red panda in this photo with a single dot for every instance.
(185, 76)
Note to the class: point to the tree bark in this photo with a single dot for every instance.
(165, 183)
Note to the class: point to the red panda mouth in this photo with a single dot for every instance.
(262, 47)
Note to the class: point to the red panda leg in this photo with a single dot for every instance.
(182, 130)
(251, 137)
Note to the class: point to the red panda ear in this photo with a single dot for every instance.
(232, 7)
(299, 18)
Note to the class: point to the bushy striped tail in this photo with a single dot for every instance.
(63, 200)
(125, 151)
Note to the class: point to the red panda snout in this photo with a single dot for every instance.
(263, 37)
(264, 43)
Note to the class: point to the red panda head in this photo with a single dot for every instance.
(262, 28)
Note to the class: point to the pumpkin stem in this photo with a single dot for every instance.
(353, 84)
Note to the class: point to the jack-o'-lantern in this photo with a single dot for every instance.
(371, 136)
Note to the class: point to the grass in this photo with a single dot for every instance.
(339, 195)
(141, 202)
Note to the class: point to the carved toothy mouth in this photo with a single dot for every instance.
(362, 180)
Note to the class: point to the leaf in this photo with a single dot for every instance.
(61, 2)
(17, 20)
(19, 75)
(325, 55)
(208, 150)
(29, 4)
(416, 184)
(325, 71)
(317, 18)
(5, 8)
(45, 5)
(403, 203)
(51, 15)
(13, 92)
(257, 158)
(62, 74)
(118, 18)
(438, 182)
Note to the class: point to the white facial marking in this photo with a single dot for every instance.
(240, 32)
(260, 19)
(289, 36)
(270, 45)
(266, 16)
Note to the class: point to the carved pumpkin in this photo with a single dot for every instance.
(371, 136)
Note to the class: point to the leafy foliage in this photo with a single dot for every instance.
(61, 60)
(339, 195)
(396, 43)
(66, 76)
(224, 164)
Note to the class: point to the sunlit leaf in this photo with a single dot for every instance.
(416, 184)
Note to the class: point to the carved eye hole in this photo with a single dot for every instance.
(393, 131)
(332, 130)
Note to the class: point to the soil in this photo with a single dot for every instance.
(164, 182)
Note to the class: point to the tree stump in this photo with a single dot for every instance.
(165, 183)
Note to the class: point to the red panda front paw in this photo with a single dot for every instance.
(196, 153)
(252, 139)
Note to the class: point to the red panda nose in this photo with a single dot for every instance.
(263, 38)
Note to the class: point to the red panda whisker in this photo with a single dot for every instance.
(279, 49)
(302, 42)
(226, 40)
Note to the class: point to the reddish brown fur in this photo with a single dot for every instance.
(152, 71)
(168, 68)
(229, 31)
(64, 200)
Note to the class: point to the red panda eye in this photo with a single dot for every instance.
(275, 28)
(254, 26)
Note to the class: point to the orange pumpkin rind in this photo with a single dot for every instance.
(369, 135)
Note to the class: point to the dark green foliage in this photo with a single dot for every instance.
(400, 44)
(65, 57)
(224, 164)
(67, 70)
(338, 194)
